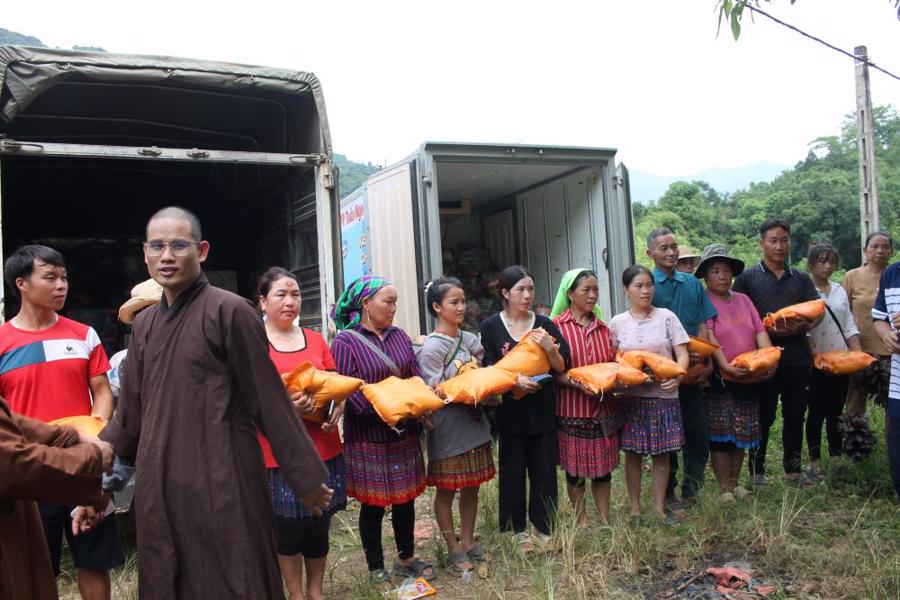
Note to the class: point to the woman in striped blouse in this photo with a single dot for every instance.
(384, 465)
(587, 425)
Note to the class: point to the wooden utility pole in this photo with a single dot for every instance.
(865, 143)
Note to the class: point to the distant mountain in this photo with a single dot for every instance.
(19, 39)
(646, 186)
(352, 174)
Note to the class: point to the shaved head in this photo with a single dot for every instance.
(180, 214)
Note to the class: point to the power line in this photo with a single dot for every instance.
(821, 41)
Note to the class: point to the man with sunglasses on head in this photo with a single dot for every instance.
(197, 383)
(52, 367)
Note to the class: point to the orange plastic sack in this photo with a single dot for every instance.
(476, 385)
(325, 387)
(842, 362)
(810, 311)
(526, 358)
(597, 378)
(628, 376)
(85, 425)
(702, 348)
(758, 361)
(663, 368)
(396, 399)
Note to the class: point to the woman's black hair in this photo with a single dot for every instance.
(272, 275)
(817, 250)
(583, 275)
(633, 271)
(877, 233)
(508, 278)
(436, 291)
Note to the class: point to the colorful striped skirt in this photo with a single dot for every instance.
(732, 415)
(468, 469)
(287, 506)
(584, 450)
(387, 473)
(652, 425)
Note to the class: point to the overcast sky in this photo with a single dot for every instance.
(648, 77)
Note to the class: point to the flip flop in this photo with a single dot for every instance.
(414, 569)
(478, 557)
(457, 560)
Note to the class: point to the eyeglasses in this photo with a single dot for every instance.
(178, 247)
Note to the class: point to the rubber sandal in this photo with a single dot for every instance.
(524, 541)
(670, 520)
(478, 557)
(800, 481)
(414, 569)
(379, 577)
(457, 560)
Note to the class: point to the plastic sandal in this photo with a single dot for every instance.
(379, 577)
(524, 541)
(457, 560)
(414, 569)
(478, 557)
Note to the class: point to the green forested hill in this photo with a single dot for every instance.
(19, 39)
(819, 196)
(352, 174)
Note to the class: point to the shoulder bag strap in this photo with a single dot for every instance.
(387, 360)
(836, 322)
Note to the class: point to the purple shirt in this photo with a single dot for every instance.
(355, 359)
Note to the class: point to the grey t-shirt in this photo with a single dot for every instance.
(457, 428)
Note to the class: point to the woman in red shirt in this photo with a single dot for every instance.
(587, 426)
(302, 537)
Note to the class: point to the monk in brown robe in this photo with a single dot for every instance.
(45, 463)
(197, 383)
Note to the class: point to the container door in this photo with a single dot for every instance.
(621, 235)
(562, 227)
(390, 206)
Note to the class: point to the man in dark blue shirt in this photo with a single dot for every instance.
(683, 294)
(773, 284)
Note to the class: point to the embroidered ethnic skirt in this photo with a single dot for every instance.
(732, 415)
(584, 450)
(468, 469)
(652, 425)
(381, 474)
(286, 504)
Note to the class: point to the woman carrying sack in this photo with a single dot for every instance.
(384, 465)
(527, 426)
(836, 331)
(302, 536)
(587, 426)
(459, 446)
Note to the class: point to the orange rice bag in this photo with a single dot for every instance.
(396, 399)
(628, 376)
(810, 311)
(758, 362)
(702, 348)
(476, 385)
(842, 362)
(324, 386)
(85, 424)
(526, 358)
(663, 368)
(597, 378)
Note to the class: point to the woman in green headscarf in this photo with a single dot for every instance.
(587, 425)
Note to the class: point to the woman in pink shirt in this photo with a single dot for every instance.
(732, 407)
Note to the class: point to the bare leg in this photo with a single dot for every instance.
(292, 574)
(468, 509)
(93, 585)
(315, 578)
(737, 461)
(443, 512)
(576, 499)
(600, 490)
(659, 483)
(721, 466)
(633, 465)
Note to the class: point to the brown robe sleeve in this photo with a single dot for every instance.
(124, 430)
(267, 401)
(45, 463)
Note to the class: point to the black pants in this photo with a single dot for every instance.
(791, 384)
(403, 519)
(892, 433)
(827, 395)
(696, 443)
(533, 455)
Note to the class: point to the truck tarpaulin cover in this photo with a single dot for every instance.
(26, 73)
